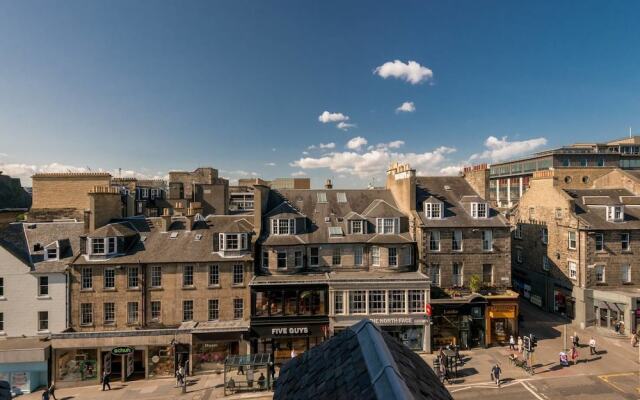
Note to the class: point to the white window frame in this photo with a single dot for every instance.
(434, 241)
(56, 249)
(104, 313)
(456, 238)
(387, 226)
(86, 272)
(615, 213)
(286, 226)
(457, 282)
(357, 226)
(625, 272)
(603, 275)
(213, 275)
(238, 308)
(377, 301)
(518, 231)
(240, 240)
(573, 269)
(433, 210)
(359, 298)
(135, 277)
(86, 310)
(572, 244)
(156, 274)
(599, 237)
(545, 236)
(434, 271)
(487, 240)
(106, 278)
(238, 275)
(479, 210)
(416, 301)
(397, 302)
(392, 257)
(338, 298)
(191, 273)
(278, 253)
(311, 257)
(336, 255)
(41, 286)
(375, 256)
(41, 320)
(133, 312)
(186, 310)
(625, 241)
(157, 311)
(213, 309)
(265, 259)
(358, 256)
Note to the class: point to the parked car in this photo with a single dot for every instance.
(5, 390)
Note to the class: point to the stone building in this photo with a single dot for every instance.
(574, 249)
(147, 294)
(201, 190)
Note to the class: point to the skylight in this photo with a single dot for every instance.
(199, 236)
(342, 197)
(322, 197)
(174, 235)
(335, 231)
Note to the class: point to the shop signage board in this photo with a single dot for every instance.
(122, 350)
(393, 321)
(290, 330)
(535, 299)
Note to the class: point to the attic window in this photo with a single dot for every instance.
(615, 213)
(38, 247)
(479, 210)
(447, 187)
(199, 236)
(143, 238)
(52, 252)
(357, 226)
(335, 231)
(327, 219)
(173, 235)
(342, 197)
(433, 210)
(322, 197)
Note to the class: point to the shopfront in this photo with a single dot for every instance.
(212, 344)
(24, 363)
(458, 323)
(616, 310)
(501, 317)
(410, 330)
(288, 338)
(563, 303)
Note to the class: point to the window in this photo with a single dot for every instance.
(599, 270)
(600, 162)
(572, 240)
(265, 259)
(314, 259)
(599, 242)
(625, 271)
(282, 259)
(43, 286)
(615, 213)
(433, 210)
(393, 256)
(573, 270)
(238, 274)
(487, 274)
(416, 301)
(357, 226)
(532, 212)
(341, 197)
(377, 302)
(375, 256)
(456, 241)
(338, 302)
(406, 255)
(214, 275)
(358, 253)
(97, 246)
(545, 263)
(187, 310)
(214, 311)
(144, 193)
(155, 310)
(238, 308)
(111, 245)
(132, 312)
(434, 274)
(336, 259)
(233, 241)
(51, 254)
(434, 241)
(387, 226)
(335, 231)
(584, 162)
(86, 278)
(487, 240)
(322, 197)
(624, 239)
(566, 162)
(43, 320)
(132, 277)
(156, 276)
(1, 287)
(109, 278)
(519, 256)
(283, 226)
(109, 313)
(397, 301)
(518, 232)
(187, 275)
(545, 236)
(479, 210)
(297, 258)
(558, 213)
(357, 302)
(86, 314)
(456, 275)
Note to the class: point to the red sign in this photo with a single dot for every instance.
(427, 309)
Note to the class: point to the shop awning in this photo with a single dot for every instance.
(221, 326)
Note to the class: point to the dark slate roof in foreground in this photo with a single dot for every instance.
(361, 362)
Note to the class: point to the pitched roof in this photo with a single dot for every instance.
(362, 362)
(117, 229)
(457, 194)
(590, 207)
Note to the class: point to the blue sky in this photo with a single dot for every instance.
(150, 86)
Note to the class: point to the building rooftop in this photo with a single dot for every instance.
(362, 362)
(591, 208)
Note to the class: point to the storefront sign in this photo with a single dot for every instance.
(393, 321)
(535, 299)
(502, 312)
(120, 351)
(285, 331)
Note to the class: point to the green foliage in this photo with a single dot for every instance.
(475, 283)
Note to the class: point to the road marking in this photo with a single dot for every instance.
(526, 386)
(605, 378)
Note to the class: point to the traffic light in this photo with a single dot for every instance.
(527, 343)
(533, 341)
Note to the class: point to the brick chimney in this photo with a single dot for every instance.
(104, 205)
(165, 222)
(401, 181)
(189, 218)
(478, 177)
(328, 184)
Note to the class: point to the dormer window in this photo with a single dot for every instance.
(433, 210)
(52, 252)
(283, 226)
(479, 210)
(615, 213)
(387, 226)
(233, 241)
(357, 226)
(104, 246)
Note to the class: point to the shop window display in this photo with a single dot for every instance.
(211, 356)
(160, 361)
(77, 365)
(410, 336)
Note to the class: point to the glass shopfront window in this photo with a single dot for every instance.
(210, 356)
(77, 365)
(289, 302)
(410, 336)
(160, 361)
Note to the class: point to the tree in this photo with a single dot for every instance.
(475, 283)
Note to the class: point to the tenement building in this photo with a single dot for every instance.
(148, 294)
(329, 258)
(465, 249)
(574, 249)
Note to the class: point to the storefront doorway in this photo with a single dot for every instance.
(112, 365)
(135, 365)
(459, 325)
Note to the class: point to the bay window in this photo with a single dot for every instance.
(387, 226)
(233, 241)
(479, 210)
(283, 226)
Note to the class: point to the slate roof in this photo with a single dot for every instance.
(365, 204)
(362, 362)
(20, 239)
(198, 245)
(593, 214)
(457, 201)
(120, 229)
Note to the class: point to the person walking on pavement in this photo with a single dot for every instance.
(105, 380)
(574, 355)
(576, 339)
(495, 374)
(592, 346)
(520, 344)
(634, 339)
(512, 343)
(52, 390)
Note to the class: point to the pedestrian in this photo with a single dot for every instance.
(272, 370)
(592, 346)
(45, 395)
(52, 390)
(634, 339)
(495, 374)
(181, 375)
(443, 372)
(574, 355)
(105, 380)
(576, 339)
(520, 344)
(512, 343)
(240, 370)
(293, 353)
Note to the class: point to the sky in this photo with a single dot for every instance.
(319, 89)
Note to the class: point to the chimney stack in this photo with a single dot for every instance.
(189, 219)
(166, 220)
(328, 184)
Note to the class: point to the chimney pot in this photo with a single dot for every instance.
(328, 184)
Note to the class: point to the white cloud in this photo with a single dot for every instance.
(273, 149)
(375, 161)
(356, 143)
(4, 155)
(299, 173)
(327, 117)
(411, 72)
(395, 144)
(330, 145)
(451, 170)
(270, 164)
(304, 153)
(345, 126)
(502, 149)
(407, 106)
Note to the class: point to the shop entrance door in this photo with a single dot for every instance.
(135, 365)
(113, 365)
